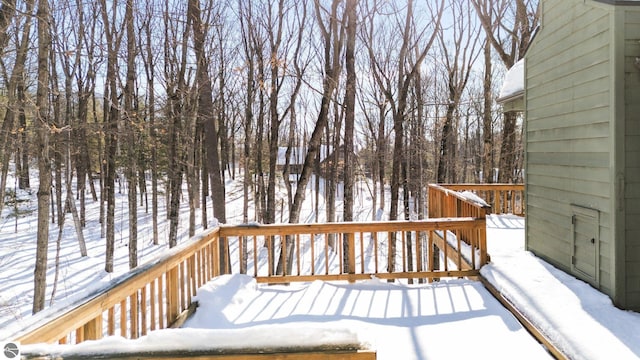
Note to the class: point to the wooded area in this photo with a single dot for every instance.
(127, 95)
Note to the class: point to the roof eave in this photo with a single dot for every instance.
(511, 97)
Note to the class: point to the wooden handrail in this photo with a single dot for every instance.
(348, 227)
(503, 198)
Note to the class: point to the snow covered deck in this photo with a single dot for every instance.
(445, 320)
(452, 319)
(449, 319)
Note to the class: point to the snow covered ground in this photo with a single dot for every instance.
(450, 319)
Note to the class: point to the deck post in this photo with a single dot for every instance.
(172, 295)
(483, 247)
(215, 258)
(352, 253)
(93, 329)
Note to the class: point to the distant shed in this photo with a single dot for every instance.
(296, 157)
(582, 109)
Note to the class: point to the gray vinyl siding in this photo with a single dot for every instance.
(568, 111)
(632, 156)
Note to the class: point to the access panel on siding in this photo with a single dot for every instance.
(585, 223)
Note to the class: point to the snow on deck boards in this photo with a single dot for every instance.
(580, 321)
(448, 320)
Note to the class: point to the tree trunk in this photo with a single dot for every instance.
(331, 171)
(349, 122)
(44, 165)
(247, 29)
(246, 154)
(22, 157)
(222, 118)
(275, 31)
(131, 126)
(381, 151)
(508, 148)
(206, 111)
(111, 115)
(56, 144)
(204, 179)
(261, 198)
(7, 12)
(446, 167)
(176, 168)
(332, 49)
(15, 86)
(153, 136)
(487, 118)
(205, 114)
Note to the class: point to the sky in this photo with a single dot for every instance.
(445, 320)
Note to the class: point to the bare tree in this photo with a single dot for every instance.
(300, 65)
(175, 69)
(374, 111)
(396, 88)
(149, 61)
(275, 32)
(222, 93)
(206, 111)
(85, 75)
(64, 138)
(7, 12)
(15, 85)
(43, 128)
(333, 38)
(509, 26)
(349, 123)
(70, 66)
(130, 128)
(247, 31)
(487, 117)
(111, 114)
(459, 55)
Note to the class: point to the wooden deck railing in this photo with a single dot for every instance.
(158, 295)
(153, 296)
(503, 198)
(447, 202)
(470, 200)
(346, 251)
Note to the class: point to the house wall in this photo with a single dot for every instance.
(632, 155)
(569, 154)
